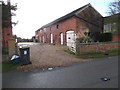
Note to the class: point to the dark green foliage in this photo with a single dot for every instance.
(68, 51)
(105, 37)
(4, 50)
(8, 66)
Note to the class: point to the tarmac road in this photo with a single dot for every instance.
(80, 75)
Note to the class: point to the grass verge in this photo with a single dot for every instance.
(8, 66)
(96, 55)
(68, 51)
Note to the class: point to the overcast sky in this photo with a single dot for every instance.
(32, 14)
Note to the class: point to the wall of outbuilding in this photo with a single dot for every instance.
(6, 34)
(63, 27)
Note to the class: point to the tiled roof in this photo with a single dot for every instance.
(66, 16)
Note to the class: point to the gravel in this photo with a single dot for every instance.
(49, 56)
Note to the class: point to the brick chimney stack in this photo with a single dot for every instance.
(8, 2)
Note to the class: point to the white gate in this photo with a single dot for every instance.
(71, 39)
(40, 39)
(61, 38)
(51, 38)
(43, 39)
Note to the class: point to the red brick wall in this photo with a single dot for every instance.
(96, 47)
(5, 33)
(116, 37)
(69, 24)
(82, 24)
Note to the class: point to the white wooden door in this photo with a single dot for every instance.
(70, 39)
(61, 38)
(51, 38)
(70, 36)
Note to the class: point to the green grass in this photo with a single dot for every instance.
(97, 55)
(68, 51)
(8, 66)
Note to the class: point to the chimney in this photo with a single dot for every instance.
(8, 2)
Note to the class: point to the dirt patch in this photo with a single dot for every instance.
(45, 56)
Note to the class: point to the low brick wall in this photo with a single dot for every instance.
(116, 37)
(95, 47)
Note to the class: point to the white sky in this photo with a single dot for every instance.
(32, 14)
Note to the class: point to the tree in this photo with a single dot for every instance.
(6, 14)
(114, 7)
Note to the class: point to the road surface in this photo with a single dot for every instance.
(80, 75)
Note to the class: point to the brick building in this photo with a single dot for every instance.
(6, 24)
(83, 21)
(112, 25)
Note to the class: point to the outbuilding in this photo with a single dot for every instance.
(64, 30)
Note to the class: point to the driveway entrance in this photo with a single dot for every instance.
(44, 56)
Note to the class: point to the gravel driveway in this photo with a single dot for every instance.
(46, 56)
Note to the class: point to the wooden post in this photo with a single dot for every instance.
(77, 47)
(11, 47)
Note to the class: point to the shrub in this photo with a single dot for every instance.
(85, 39)
(106, 37)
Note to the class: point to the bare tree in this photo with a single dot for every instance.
(114, 7)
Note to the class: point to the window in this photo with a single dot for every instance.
(107, 28)
(44, 29)
(57, 26)
(114, 28)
